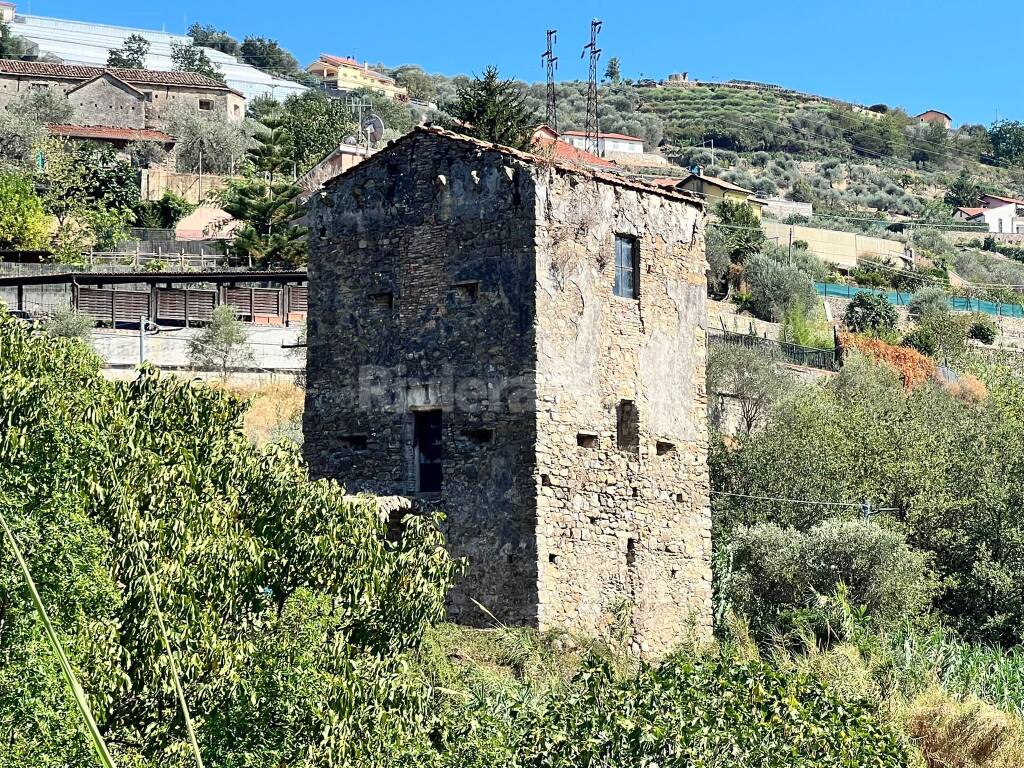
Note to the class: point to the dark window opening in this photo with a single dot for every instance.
(627, 272)
(586, 440)
(426, 442)
(627, 426)
(354, 442)
(545, 480)
(664, 447)
(679, 498)
(383, 300)
(630, 552)
(466, 293)
(205, 105)
(553, 558)
(636, 493)
(480, 436)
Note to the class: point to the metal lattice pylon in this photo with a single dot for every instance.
(592, 128)
(551, 61)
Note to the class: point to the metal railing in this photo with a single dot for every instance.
(809, 357)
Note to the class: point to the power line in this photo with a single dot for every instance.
(810, 502)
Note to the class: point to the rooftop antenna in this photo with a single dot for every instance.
(551, 61)
(592, 128)
(356, 106)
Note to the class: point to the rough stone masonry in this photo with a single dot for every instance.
(522, 346)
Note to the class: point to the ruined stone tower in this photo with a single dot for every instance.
(521, 345)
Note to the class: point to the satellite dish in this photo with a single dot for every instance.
(351, 140)
(373, 128)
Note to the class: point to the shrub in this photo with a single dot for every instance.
(751, 375)
(923, 340)
(69, 324)
(870, 313)
(776, 573)
(982, 328)
(697, 708)
(928, 301)
(23, 221)
(775, 289)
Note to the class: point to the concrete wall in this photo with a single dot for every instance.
(840, 248)
(193, 187)
(500, 275)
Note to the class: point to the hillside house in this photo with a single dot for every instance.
(120, 98)
(88, 44)
(934, 117)
(1002, 215)
(342, 75)
(606, 142)
(714, 191)
(548, 143)
(521, 344)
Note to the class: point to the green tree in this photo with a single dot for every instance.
(931, 300)
(69, 324)
(613, 71)
(208, 36)
(740, 227)
(267, 55)
(11, 45)
(1007, 139)
(49, 106)
(317, 125)
(870, 313)
(21, 137)
(131, 55)
(751, 376)
(964, 192)
(221, 344)
(495, 110)
(267, 203)
(290, 615)
(416, 82)
(192, 58)
(210, 141)
(24, 224)
(801, 191)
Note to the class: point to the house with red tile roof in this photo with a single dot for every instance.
(136, 99)
(343, 74)
(1000, 213)
(548, 143)
(606, 142)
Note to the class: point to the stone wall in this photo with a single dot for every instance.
(621, 524)
(106, 101)
(447, 275)
(421, 296)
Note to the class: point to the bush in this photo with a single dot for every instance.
(777, 573)
(69, 324)
(751, 375)
(982, 328)
(928, 301)
(23, 220)
(923, 340)
(697, 708)
(870, 313)
(776, 290)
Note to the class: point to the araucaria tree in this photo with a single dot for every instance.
(493, 109)
(267, 204)
(131, 55)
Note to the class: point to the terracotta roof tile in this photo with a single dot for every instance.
(110, 133)
(566, 153)
(131, 76)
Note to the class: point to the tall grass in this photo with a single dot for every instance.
(96, 739)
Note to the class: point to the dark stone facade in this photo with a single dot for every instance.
(449, 274)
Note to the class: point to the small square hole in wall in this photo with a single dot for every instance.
(354, 442)
(593, 520)
(553, 558)
(675, 573)
(480, 436)
(630, 552)
(466, 293)
(664, 447)
(679, 498)
(586, 440)
(635, 492)
(545, 480)
(383, 300)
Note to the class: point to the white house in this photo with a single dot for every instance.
(606, 142)
(1000, 214)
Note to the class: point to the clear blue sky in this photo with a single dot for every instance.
(914, 54)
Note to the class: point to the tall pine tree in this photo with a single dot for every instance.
(493, 109)
(267, 203)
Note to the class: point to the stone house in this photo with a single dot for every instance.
(521, 344)
(120, 98)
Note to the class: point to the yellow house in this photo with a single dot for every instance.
(342, 74)
(714, 190)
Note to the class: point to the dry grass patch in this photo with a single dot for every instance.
(964, 734)
(275, 409)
